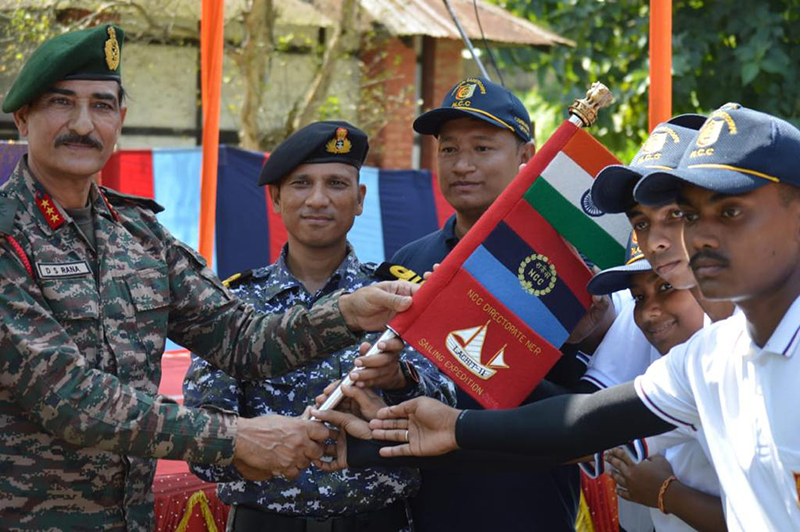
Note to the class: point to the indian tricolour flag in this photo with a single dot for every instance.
(502, 303)
(561, 196)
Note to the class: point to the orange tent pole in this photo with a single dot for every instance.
(660, 95)
(212, 27)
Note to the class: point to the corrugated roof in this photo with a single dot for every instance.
(294, 12)
(400, 17)
(431, 18)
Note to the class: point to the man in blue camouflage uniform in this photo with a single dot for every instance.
(91, 286)
(313, 179)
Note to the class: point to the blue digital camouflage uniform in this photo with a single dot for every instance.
(81, 338)
(314, 493)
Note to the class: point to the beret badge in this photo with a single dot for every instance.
(112, 49)
(340, 143)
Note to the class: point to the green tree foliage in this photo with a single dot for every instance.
(723, 50)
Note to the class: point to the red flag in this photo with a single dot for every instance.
(506, 298)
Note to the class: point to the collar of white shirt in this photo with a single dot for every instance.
(786, 336)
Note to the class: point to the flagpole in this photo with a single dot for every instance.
(583, 111)
(660, 93)
(211, 41)
(336, 396)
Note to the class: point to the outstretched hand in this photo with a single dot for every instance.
(370, 308)
(352, 418)
(424, 426)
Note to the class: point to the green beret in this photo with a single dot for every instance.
(93, 53)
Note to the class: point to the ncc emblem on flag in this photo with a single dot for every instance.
(537, 275)
(467, 346)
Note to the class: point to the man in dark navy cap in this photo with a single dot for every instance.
(313, 179)
(739, 187)
(91, 287)
(484, 134)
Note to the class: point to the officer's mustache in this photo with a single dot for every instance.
(74, 138)
(708, 258)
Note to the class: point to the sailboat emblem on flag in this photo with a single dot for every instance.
(467, 346)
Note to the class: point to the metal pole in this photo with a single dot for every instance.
(466, 40)
(660, 93)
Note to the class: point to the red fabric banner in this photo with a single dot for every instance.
(488, 350)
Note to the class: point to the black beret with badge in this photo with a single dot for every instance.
(94, 53)
(331, 141)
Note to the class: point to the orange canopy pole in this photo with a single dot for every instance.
(660, 95)
(211, 41)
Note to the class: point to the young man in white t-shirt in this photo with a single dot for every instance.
(739, 188)
(670, 473)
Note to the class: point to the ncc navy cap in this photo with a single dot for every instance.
(478, 98)
(736, 151)
(612, 190)
(93, 53)
(619, 278)
(321, 142)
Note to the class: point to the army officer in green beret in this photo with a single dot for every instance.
(91, 287)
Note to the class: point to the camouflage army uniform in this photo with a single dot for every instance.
(314, 493)
(80, 358)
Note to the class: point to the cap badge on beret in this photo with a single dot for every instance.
(112, 49)
(339, 143)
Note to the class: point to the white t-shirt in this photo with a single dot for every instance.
(746, 400)
(683, 448)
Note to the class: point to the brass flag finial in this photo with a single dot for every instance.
(585, 109)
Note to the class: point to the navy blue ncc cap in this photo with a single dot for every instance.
(321, 142)
(619, 278)
(612, 190)
(736, 151)
(478, 98)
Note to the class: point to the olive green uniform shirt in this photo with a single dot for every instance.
(80, 358)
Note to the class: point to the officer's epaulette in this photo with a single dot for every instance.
(118, 198)
(238, 279)
(8, 210)
(392, 272)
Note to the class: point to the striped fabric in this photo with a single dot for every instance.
(400, 205)
(560, 193)
(496, 311)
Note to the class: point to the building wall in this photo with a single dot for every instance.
(443, 67)
(397, 63)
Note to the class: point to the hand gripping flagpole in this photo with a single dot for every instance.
(336, 397)
(583, 111)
